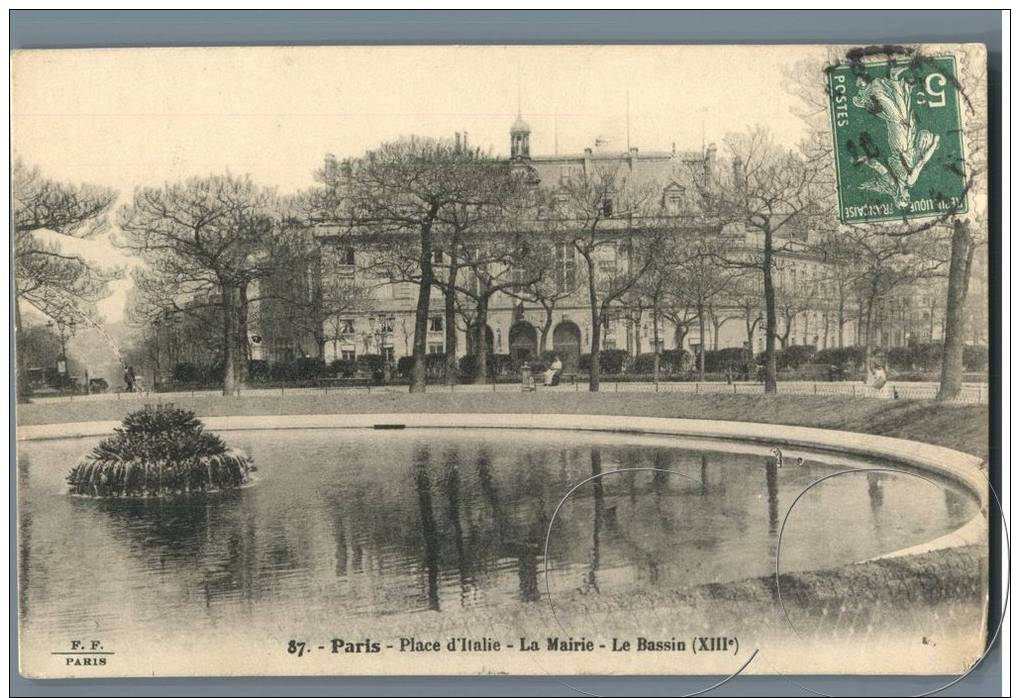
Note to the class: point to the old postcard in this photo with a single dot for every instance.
(501, 360)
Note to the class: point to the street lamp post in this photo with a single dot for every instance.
(65, 330)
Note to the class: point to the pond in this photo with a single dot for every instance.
(357, 522)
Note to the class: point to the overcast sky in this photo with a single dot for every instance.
(140, 117)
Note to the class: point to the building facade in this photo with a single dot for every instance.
(811, 309)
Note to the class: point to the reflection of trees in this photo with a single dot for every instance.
(956, 504)
(607, 516)
(430, 537)
(598, 504)
(522, 542)
(875, 494)
(452, 487)
(772, 487)
(213, 534)
(472, 516)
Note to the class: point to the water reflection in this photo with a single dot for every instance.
(430, 537)
(347, 523)
(522, 542)
(875, 492)
(451, 487)
(598, 504)
(772, 488)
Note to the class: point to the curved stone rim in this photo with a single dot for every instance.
(962, 468)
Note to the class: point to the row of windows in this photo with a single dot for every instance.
(566, 270)
(345, 326)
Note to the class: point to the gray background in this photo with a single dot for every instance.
(83, 28)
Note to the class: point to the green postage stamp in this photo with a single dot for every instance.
(898, 139)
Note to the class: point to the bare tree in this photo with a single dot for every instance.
(794, 297)
(507, 262)
(605, 218)
(810, 84)
(543, 285)
(682, 317)
(776, 195)
(969, 233)
(886, 263)
(744, 294)
(480, 236)
(211, 237)
(701, 277)
(402, 189)
(58, 283)
(840, 270)
(655, 288)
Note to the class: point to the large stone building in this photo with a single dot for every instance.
(384, 322)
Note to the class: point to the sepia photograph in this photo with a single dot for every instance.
(521, 360)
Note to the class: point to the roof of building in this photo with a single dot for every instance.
(520, 125)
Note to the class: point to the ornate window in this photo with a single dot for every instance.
(566, 267)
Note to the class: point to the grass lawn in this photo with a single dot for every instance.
(964, 428)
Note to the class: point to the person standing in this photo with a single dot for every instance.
(129, 379)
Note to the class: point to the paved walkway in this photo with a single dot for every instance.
(972, 393)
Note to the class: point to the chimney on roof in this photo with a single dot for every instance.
(738, 168)
(465, 141)
(456, 142)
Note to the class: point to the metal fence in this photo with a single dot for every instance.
(972, 393)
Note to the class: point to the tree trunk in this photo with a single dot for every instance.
(681, 337)
(770, 317)
(784, 339)
(243, 347)
(962, 255)
(869, 313)
(450, 326)
(596, 340)
(157, 371)
(701, 350)
(543, 340)
(481, 345)
(596, 327)
(229, 303)
(655, 345)
(419, 348)
(637, 334)
(842, 317)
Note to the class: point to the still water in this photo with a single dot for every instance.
(360, 522)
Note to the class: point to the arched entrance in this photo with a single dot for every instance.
(523, 341)
(473, 333)
(567, 345)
